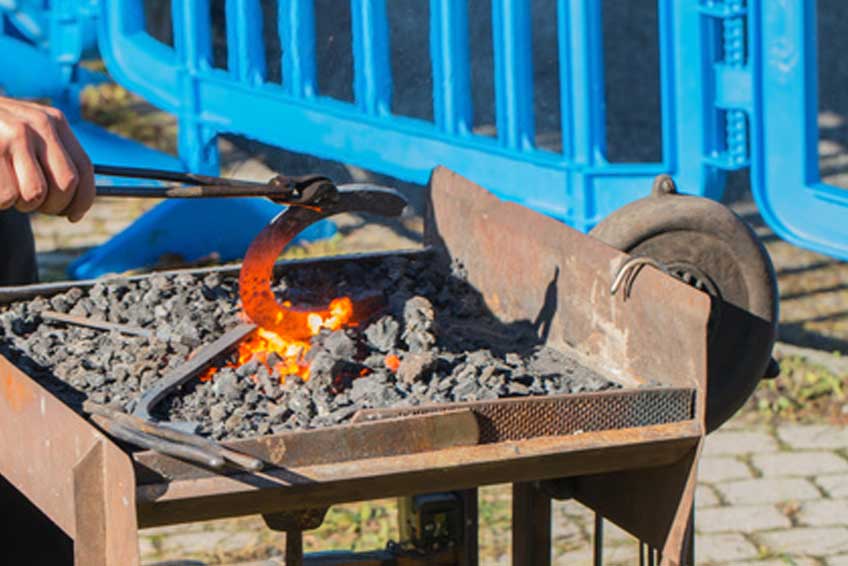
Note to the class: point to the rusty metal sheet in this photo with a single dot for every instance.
(556, 415)
(347, 443)
(455, 468)
(531, 267)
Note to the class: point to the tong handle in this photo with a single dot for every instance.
(175, 177)
(305, 191)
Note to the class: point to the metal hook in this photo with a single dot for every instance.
(629, 270)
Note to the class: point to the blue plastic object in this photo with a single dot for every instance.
(163, 230)
(42, 44)
(737, 87)
(784, 169)
(578, 185)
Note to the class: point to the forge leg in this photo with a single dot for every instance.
(293, 523)
(106, 529)
(294, 548)
(531, 525)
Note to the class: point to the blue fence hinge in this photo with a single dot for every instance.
(731, 81)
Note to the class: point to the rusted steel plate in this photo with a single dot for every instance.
(455, 468)
(390, 437)
(556, 415)
(531, 267)
(42, 441)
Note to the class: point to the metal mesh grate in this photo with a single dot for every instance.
(518, 419)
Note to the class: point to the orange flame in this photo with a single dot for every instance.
(291, 351)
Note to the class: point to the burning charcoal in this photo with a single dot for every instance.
(517, 389)
(269, 387)
(463, 389)
(188, 333)
(464, 372)
(383, 334)
(23, 326)
(342, 413)
(419, 321)
(95, 380)
(414, 367)
(339, 345)
(99, 397)
(251, 397)
(321, 362)
(60, 303)
(218, 412)
(227, 385)
(365, 387)
(249, 369)
(234, 422)
(486, 394)
(300, 403)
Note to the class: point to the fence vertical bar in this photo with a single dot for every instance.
(296, 20)
(371, 60)
(449, 56)
(193, 44)
(245, 46)
(581, 100)
(511, 34)
(666, 59)
(584, 56)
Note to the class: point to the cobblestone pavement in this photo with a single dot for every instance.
(766, 497)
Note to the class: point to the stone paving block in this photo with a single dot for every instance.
(705, 496)
(824, 513)
(565, 530)
(740, 519)
(784, 464)
(615, 535)
(723, 548)
(201, 543)
(790, 560)
(767, 490)
(813, 437)
(839, 560)
(714, 470)
(738, 442)
(807, 540)
(835, 486)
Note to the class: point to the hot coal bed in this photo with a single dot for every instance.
(430, 339)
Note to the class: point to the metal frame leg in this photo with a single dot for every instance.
(531, 525)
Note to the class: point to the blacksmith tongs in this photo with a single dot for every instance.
(307, 190)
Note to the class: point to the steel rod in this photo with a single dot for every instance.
(148, 427)
(190, 369)
(598, 542)
(150, 442)
(95, 323)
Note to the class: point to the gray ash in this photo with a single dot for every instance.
(448, 346)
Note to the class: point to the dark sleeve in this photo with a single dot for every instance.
(17, 249)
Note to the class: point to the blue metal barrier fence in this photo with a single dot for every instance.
(577, 185)
(737, 89)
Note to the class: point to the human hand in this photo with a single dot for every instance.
(42, 165)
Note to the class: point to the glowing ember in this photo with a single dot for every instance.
(392, 362)
(290, 353)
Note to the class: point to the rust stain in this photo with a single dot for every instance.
(16, 394)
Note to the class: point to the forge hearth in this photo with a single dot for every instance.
(446, 346)
(499, 355)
